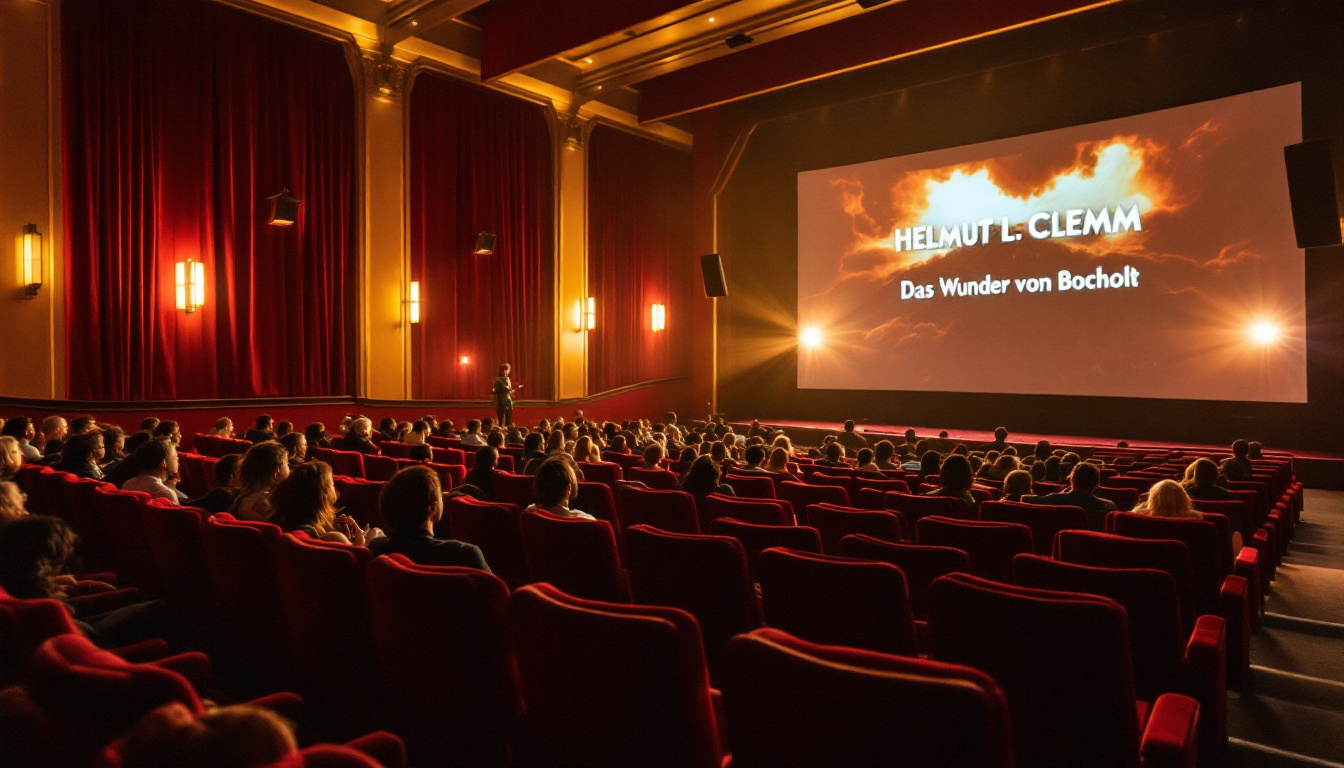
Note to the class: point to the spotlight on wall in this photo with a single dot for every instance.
(415, 301)
(810, 338)
(659, 318)
(485, 244)
(284, 209)
(464, 360)
(190, 285)
(1263, 333)
(30, 257)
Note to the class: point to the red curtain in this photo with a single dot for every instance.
(639, 254)
(480, 161)
(180, 118)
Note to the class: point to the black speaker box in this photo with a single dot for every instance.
(712, 269)
(1311, 186)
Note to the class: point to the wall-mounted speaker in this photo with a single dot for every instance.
(1311, 186)
(284, 209)
(711, 267)
(485, 244)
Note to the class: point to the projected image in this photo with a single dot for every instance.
(1150, 256)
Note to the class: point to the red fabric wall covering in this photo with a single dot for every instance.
(639, 254)
(480, 161)
(180, 118)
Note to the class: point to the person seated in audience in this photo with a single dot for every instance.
(1202, 482)
(54, 430)
(556, 486)
(778, 461)
(864, 462)
(236, 736)
(306, 501)
(316, 435)
(418, 434)
(265, 430)
(114, 443)
(910, 437)
(495, 438)
(1236, 468)
(1037, 469)
(296, 446)
(264, 466)
(283, 428)
(432, 422)
(884, 455)
(357, 439)
(1000, 440)
(753, 458)
(1042, 451)
(34, 550)
(11, 458)
(446, 429)
(1083, 484)
(584, 450)
(703, 478)
(930, 465)
(1003, 466)
(653, 456)
(618, 444)
(223, 427)
(719, 453)
(148, 424)
(782, 441)
(533, 453)
(170, 430)
(1168, 499)
(955, 479)
(514, 436)
(1052, 473)
(411, 502)
(1016, 485)
(82, 454)
(833, 455)
(156, 471)
(21, 429)
(12, 501)
(1255, 451)
(121, 471)
(473, 438)
(482, 475)
(343, 428)
(850, 440)
(387, 428)
(225, 493)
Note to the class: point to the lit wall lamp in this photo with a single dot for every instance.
(190, 285)
(659, 318)
(415, 301)
(30, 256)
(590, 314)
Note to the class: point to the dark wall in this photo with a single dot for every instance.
(1118, 61)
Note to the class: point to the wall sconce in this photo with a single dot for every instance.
(190, 285)
(464, 360)
(590, 314)
(30, 256)
(415, 301)
(659, 318)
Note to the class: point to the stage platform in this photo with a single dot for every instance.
(1316, 469)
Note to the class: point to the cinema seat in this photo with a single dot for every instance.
(802, 495)
(609, 685)
(660, 479)
(598, 500)
(846, 481)
(790, 702)
(1124, 499)
(347, 463)
(577, 556)
(706, 576)
(1063, 662)
(837, 600)
(669, 510)
(379, 468)
(606, 472)
(1044, 521)
(359, 499)
(1166, 658)
(495, 528)
(915, 508)
(756, 538)
(862, 484)
(51, 493)
(836, 522)
(450, 475)
(991, 546)
(454, 456)
(443, 644)
(760, 511)
(750, 486)
(514, 489)
(174, 537)
(921, 564)
(128, 546)
(81, 505)
(192, 468)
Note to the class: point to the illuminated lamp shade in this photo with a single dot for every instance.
(659, 318)
(464, 360)
(284, 209)
(30, 257)
(485, 244)
(190, 285)
(590, 314)
(415, 301)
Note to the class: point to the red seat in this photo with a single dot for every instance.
(836, 522)
(51, 493)
(319, 454)
(846, 481)
(612, 685)
(760, 511)
(192, 467)
(915, 508)
(1124, 498)
(394, 449)
(208, 467)
(81, 506)
(597, 500)
(669, 510)
(659, 479)
(991, 546)
(494, 527)
(206, 445)
(347, 463)
(174, 537)
(379, 468)
(1044, 521)
(1166, 658)
(514, 489)
(1063, 661)
(578, 556)
(450, 475)
(756, 538)
(359, 499)
(921, 564)
(837, 600)
(626, 460)
(124, 533)
(802, 495)
(443, 442)
(442, 640)
(872, 488)
(795, 703)
(326, 605)
(751, 486)
(606, 472)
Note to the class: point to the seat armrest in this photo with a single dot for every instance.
(382, 746)
(143, 652)
(1247, 565)
(720, 719)
(194, 665)
(1235, 609)
(1170, 736)
(1204, 677)
(290, 706)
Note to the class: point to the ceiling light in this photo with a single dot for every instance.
(414, 23)
(587, 61)
(712, 19)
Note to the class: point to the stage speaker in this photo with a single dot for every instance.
(1311, 186)
(485, 244)
(712, 269)
(284, 209)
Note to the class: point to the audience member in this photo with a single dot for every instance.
(125, 469)
(316, 435)
(1003, 466)
(653, 456)
(263, 431)
(885, 455)
(473, 438)
(223, 427)
(54, 430)
(264, 466)
(82, 455)
(1203, 482)
(225, 493)
(387, 428)
(114, 442)
(555, 488)
(283, 428)
(850, 440)
(411, 502)
(12, 500)
(1167, 499)
(1083, 484)
(11, 457)
(236, 736)
(703, 479)
(170, 430)
(833, 455)
(930, 464)
(1236, 468)
(357, 439)
(21, 429)
(156, 471)
(296, 446)
(955, 479)
(306, 501)
(482, 475)
(864, 462)
(1000, 440)
(1256, 451)
(148, 424)
(1016, 485)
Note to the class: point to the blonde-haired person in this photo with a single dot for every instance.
(1003, 466)
(11, 457)
(223, 427)
(782, 441)
(1016, 485)
(778, 461)
(306, 501)
(585, 450)
(264, 466)
(1168, 499)
(11, 503)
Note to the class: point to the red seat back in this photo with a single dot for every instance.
(756, 538)
(347, 463)
(836, 522)
(193, 474)
(606, 472)
(393, 449)
(760, 511)
(1124, 498)
(379, 468)
(1208, 563)
(597, 500)
(127, 543)
(1104, 550)
(359, 499)
(577, 556)
(514, 489)
(991, 546)
(921, 564)
(174, 537)
(495, 528)
(1044, 521)
(915, 508)
(450, 475)
(802, 495)
(751, 486)
(81, 506)
(659, 479)
(669, 510)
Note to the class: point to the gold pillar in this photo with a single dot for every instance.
(571, 266)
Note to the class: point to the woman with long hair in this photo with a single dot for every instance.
(264, 466)
(306, 501)
(1016, 485)
(1168, 499)
(11, 457)
(703, 478)
(955, 479)
(296, 446)
(584, 450)
(778, 461)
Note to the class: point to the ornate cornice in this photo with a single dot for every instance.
(385, 77)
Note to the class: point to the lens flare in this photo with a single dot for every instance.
(1263, 333)
(810, 338)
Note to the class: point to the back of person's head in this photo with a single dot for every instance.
(136, 440)
(155, 453)
(237, 736)
(223, 425)
(11, 456)
(264, 422)
(1010, 451)
(533, 442)
(865, 456)
(943, 434)
(226, 470)
(420, 427)
(1000, 434)
(81, 447)
(849, 425)
(556, 482)
(33, 550)
(1122, 444)
(779, 460)
(487, 456)
(284, 428)
(929, 463)
(1205, 472)
(703, 476)
(166, 429)
(1240, 448)
(687, 455)
(387, 423)
(411, 497)
(1084, 478)
(1168, 499)
(495, 438)
(956, 474)
(1017, 482)
(1256, 450)
(11, 502)
(885, 451)
(1042, 450)
(909, 435)
(718, 451)
(17, 427)
(473, 425)
(755, 455)
(1052, 469)
(1006, 463)
(653, 453)
(295, 445)
(960, 449)
(82, 424)
(306, 497)
(315, 432)
(360, 427)
(834, 452)
(1038, 471)
(263, 466)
